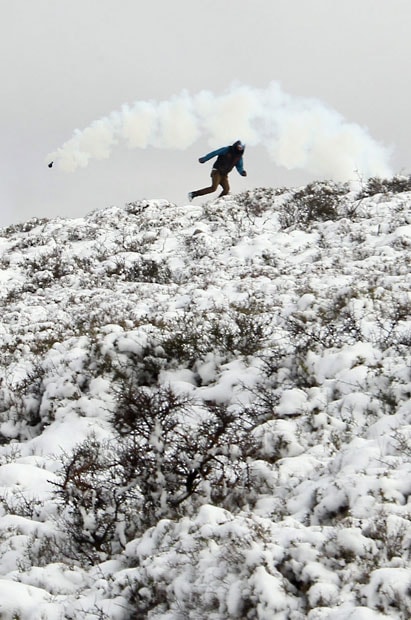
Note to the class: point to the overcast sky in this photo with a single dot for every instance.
(67, 63)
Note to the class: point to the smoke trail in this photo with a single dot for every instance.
(297, 132)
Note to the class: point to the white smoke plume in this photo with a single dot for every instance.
(298, 132)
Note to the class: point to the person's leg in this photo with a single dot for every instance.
(224, 184)
(215, 181)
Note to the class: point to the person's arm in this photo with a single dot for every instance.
(240, 168)
(216, 153)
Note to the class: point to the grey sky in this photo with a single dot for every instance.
(65, 63)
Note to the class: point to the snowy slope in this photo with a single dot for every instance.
(205, 410)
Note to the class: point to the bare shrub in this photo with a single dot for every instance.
(316, 202)
(167, 451)
(394, 185)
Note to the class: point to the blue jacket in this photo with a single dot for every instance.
(223, 151)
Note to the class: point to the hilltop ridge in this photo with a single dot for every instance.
(205, 409)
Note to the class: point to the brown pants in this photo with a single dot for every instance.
(216, 179)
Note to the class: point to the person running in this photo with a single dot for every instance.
(227, 158)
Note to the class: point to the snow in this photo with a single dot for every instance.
(387, 587)
(26, 602)
(298, 330)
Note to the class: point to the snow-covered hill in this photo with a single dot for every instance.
(205, 410)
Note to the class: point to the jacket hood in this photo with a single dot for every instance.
(239, 146)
